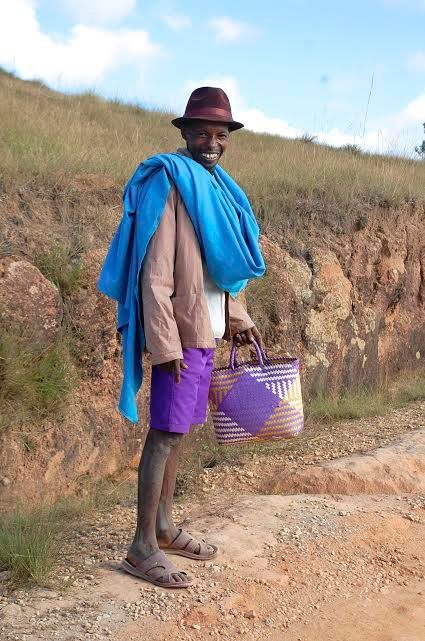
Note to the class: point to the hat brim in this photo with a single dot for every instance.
(232, 124)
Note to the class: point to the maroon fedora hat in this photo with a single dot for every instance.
(208, 103)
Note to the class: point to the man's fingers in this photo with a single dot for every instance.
(249, 336)
(257, 336)
(177, 370)
(237, 339)
(182, 364)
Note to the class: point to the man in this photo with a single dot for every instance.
(191, 251)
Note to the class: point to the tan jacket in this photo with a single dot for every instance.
(175, 311)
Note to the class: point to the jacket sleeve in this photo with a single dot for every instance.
(239, 319)
(157, 286)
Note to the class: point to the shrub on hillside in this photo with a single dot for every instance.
(34, 381)
(62, 266)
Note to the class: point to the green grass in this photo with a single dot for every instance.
(34, 381)
(353, 404)
(363, 402)
(62, 266)
(32, 541)
(29, 543)
(409, 387)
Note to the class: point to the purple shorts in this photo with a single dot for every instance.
(175, 407)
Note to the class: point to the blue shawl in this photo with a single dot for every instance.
(225, 227)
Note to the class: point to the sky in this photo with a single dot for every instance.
(345, 71)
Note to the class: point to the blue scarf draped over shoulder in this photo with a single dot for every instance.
(225, 227)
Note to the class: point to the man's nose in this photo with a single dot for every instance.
(212, 141)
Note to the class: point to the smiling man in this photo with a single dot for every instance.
(187, 243)
(206, 142)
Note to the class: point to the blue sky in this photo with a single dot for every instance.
(289, 67)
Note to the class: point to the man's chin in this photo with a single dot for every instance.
(209, 165)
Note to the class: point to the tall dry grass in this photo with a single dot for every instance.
(53, 137)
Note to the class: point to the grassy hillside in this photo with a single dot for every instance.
(63, 163)
(53, 139)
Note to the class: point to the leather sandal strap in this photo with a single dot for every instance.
(181, 541)
(159, 567)
(188, 543)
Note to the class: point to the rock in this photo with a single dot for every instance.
(28, 300)
(46, 594)
(5, 575)
(349, 309)
(95, 317)
(394, 469)
(5, 481)
(11, 613)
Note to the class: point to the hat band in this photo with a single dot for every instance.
(209, 111)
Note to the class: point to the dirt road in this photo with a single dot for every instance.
(346, 565)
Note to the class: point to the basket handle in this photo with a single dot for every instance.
(260, 354)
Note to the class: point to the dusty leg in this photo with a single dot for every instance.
(166, 531)
(158, 448)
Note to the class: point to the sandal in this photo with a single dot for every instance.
(157, 569)
(186, 545)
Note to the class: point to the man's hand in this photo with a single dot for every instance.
(245, 338)
(175, 367)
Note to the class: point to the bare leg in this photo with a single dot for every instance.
(166, 531)
(158, 448)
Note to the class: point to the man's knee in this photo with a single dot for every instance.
(166, 441)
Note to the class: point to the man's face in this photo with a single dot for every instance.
(206, 141)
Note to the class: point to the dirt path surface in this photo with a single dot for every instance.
(311, 550)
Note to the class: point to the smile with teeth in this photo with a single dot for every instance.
(209, 156)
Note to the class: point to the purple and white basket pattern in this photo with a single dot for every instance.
(257, 402)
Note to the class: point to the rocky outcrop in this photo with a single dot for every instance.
(29, 303)
(350, 305)
(396, 469)
(95, 318)
(88, 437)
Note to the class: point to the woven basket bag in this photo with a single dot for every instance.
(256, 400)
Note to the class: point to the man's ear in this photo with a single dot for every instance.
(183, 134)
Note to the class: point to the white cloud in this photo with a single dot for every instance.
(256, 120)
(396, 133)
(229, 30)
(415, 110)
(177, 22)
(98, 11)
(252, 118)
(417, 61)
(81, 58)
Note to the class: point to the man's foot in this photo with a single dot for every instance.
(184, 544)
(156, 569)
